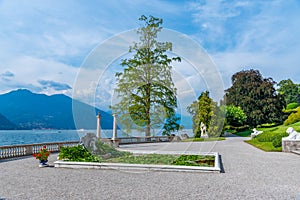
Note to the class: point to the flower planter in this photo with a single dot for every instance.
(43, 163)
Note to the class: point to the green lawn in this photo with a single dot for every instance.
(265, 146)
(81, 154)
(165, 159)
(270, 137)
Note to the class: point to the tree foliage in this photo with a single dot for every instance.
(256, 96)
(289, 90)
(293, 117)
(235, 115)
(145, 87)
(205, 110)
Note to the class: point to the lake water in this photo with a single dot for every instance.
(15, 137)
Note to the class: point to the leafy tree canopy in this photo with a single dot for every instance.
(289, 90)
(235, 116)
(256, 96)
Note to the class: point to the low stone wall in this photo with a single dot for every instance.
(290, 145)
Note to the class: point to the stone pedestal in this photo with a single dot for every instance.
(115, 142)
(290, 145)
(184, 136)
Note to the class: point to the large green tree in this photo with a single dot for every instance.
(256, 96)
(145, 87)
(205, 110)
(289, 90)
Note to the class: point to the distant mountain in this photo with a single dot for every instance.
(27, 110)
(5, 124)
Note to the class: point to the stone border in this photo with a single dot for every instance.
(145, 167)
(290, 145)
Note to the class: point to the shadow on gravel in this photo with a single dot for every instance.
(228, 135)
(221, 164)
(12, 159)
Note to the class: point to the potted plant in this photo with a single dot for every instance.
(42, 156)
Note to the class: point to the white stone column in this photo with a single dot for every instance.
(98, 126)
(115, 127)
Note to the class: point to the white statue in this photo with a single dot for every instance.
(255, 133)
(203, 130)
(293, 135)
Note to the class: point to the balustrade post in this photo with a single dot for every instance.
(98, 126)
(115, 137)
(28, 150)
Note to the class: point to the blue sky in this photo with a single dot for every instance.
(44, 43)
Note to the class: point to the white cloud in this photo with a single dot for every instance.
(251, 34)
(28, 70)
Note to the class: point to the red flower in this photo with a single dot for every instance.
(43, 154)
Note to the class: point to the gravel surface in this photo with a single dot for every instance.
(249, 173)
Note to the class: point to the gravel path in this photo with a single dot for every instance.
(249, 174)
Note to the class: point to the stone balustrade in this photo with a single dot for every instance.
(30, 149)
(132, 140)
(290, 145)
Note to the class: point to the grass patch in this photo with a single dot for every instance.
(265, 146)
(109, 154)
(203, 139)
(166, 159)
(270, 139)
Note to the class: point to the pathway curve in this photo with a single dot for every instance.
(249, 174)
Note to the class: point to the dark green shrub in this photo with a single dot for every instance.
(277, 141)
(291, 106)
(271, 136)
(267, 136)
(77, 153)
(237, 128)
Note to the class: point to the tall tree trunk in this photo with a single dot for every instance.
(148, 120)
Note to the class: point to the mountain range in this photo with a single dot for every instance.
(22, 109)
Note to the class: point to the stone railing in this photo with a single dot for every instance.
(290, 145)
(132, 140)
(30, 149)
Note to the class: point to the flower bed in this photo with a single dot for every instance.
(80, 157)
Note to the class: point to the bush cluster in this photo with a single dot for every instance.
(291, 106)
(237, 128)
(272, 136)
(82, 154)
(77, 153)
(293, 118)
(277, 141)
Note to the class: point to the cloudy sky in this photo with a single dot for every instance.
(43, 44)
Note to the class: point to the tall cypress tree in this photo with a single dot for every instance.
(205, 110)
